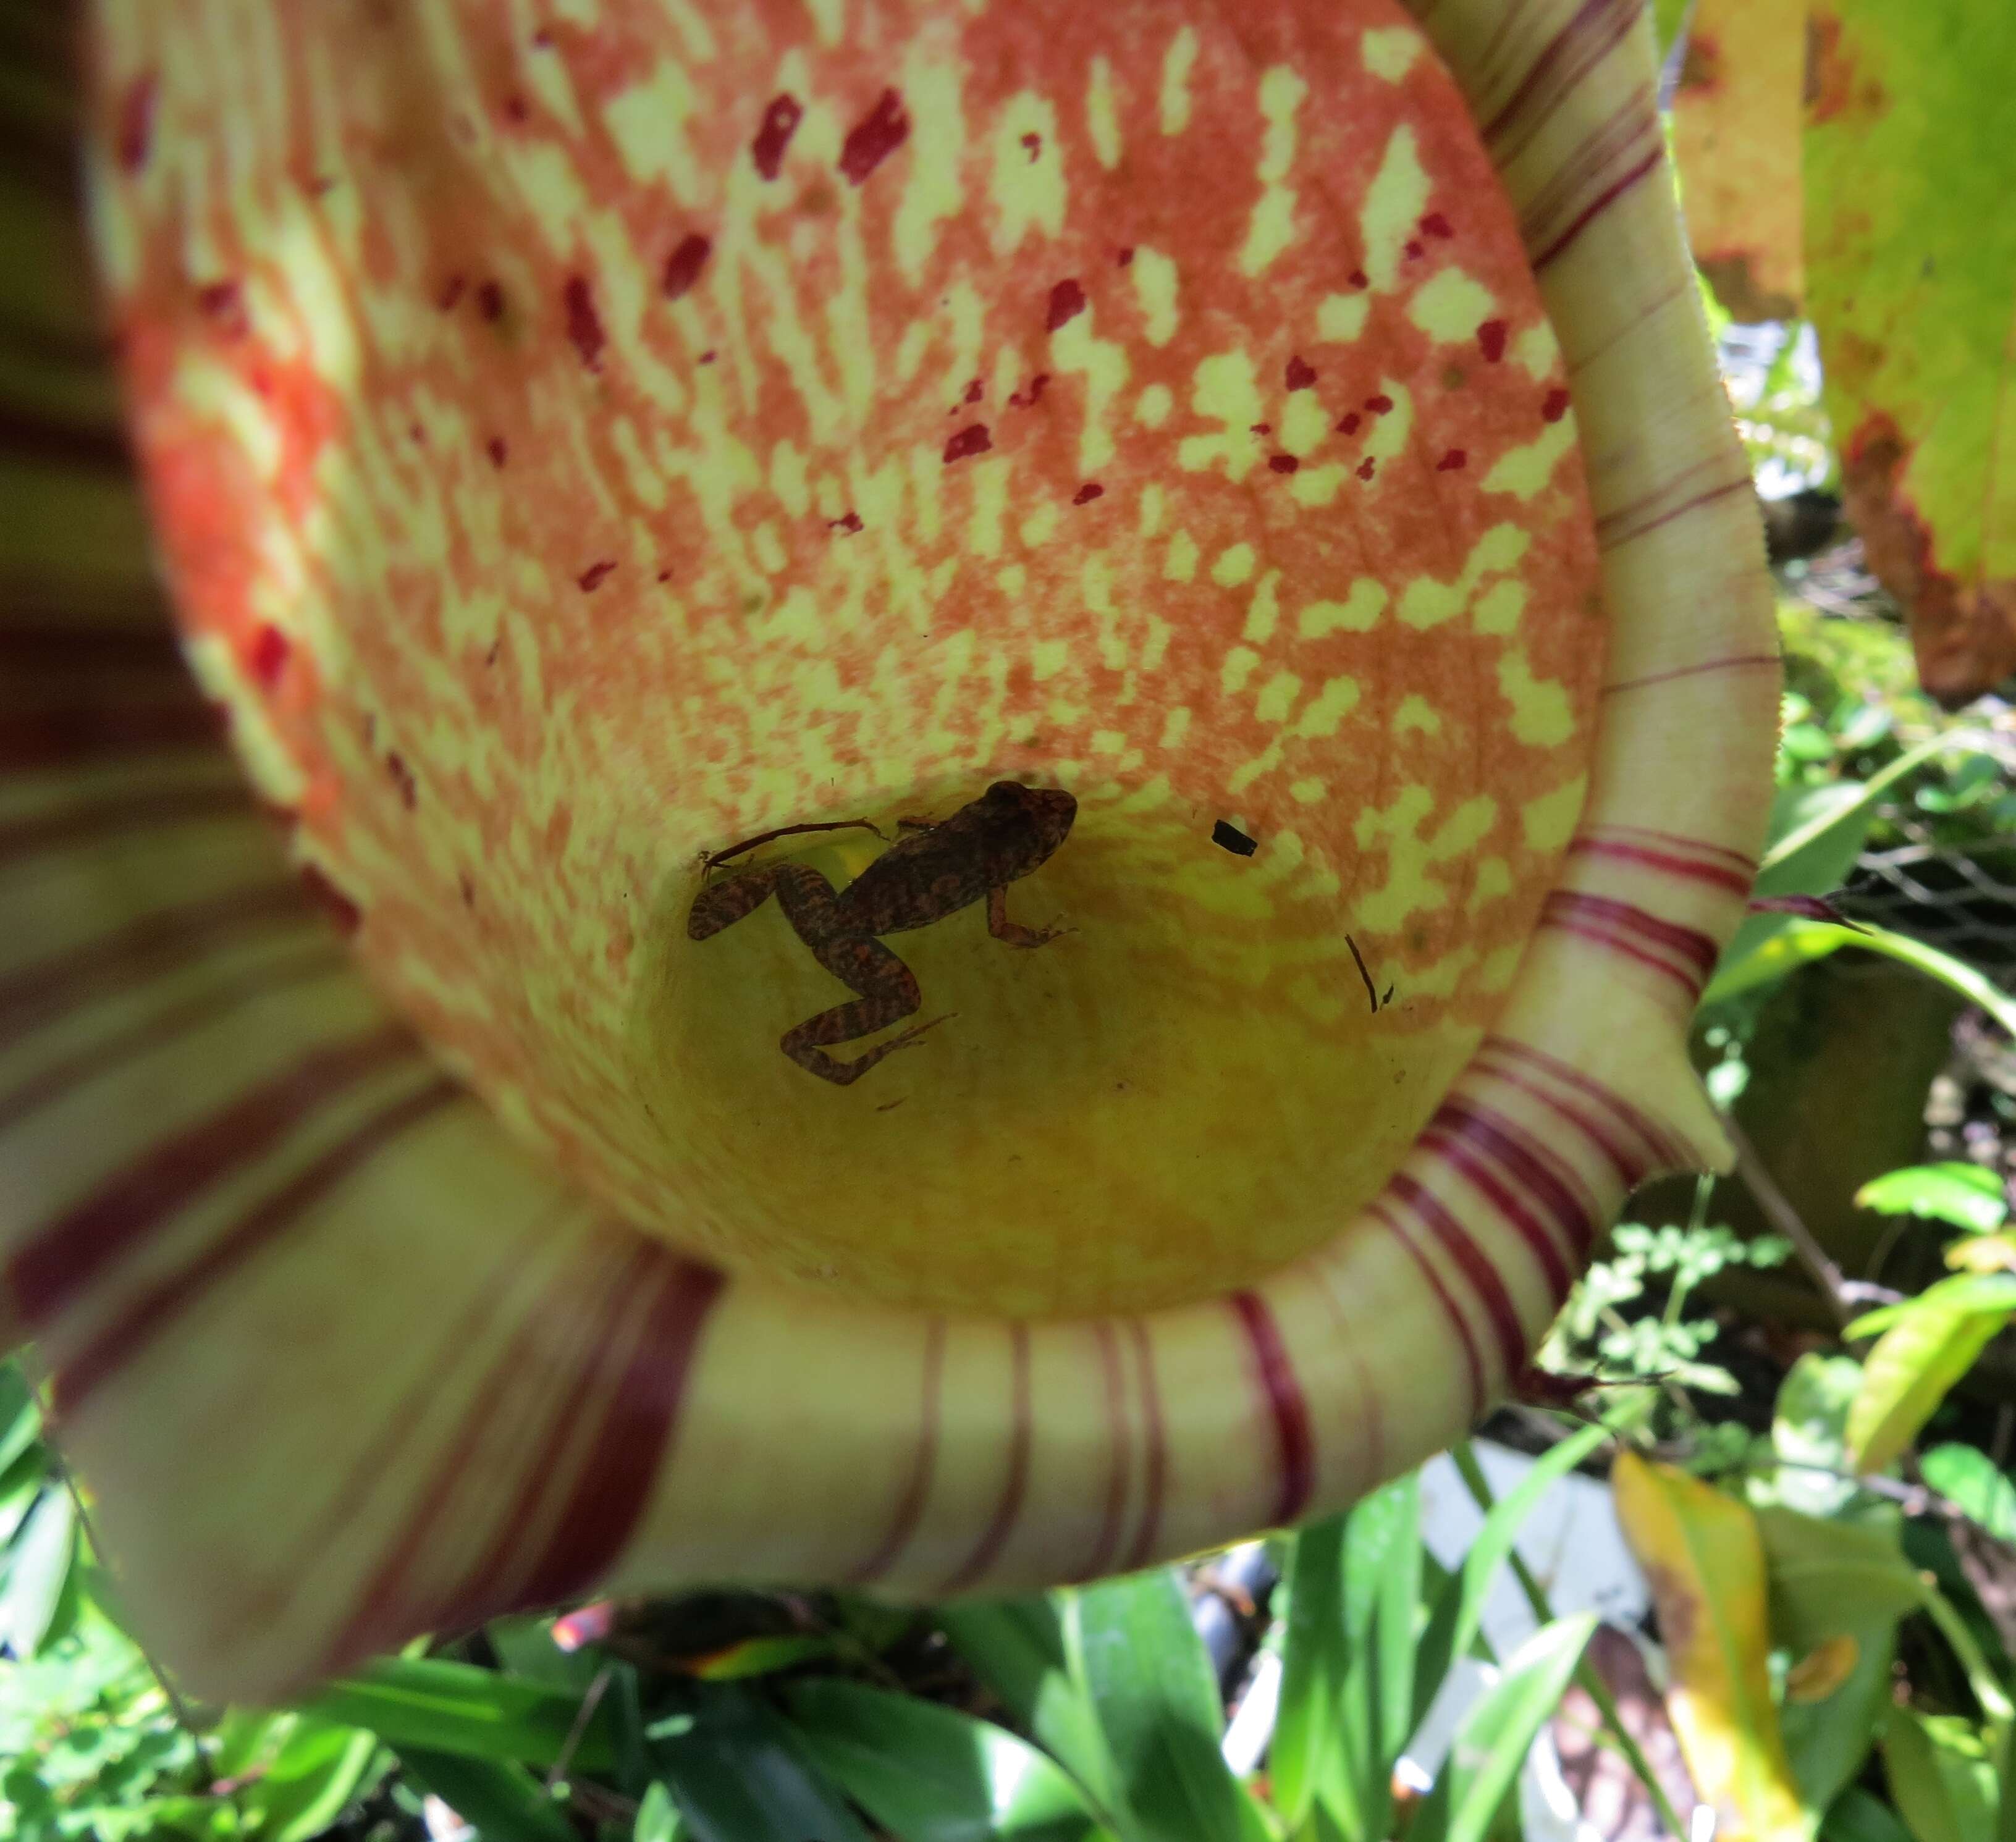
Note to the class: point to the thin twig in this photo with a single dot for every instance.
(1785, 1218)
(585, 1713)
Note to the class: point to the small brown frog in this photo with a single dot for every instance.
(1006, 832)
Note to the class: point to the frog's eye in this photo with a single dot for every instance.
(1007, 789)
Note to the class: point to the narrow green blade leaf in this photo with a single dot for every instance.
(501, 1802)
(1145, 1672)
(1314, 1656)
(318, 1772)
(1458, 1610)
(738, 1774)
(440, 1706)
(657, 1817)
(40, 1565)
(1017, 1648)
(1495, 1738)
(1382, 1571)
(1904, 1378)
(930, 1774)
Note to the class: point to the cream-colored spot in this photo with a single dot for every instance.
(829, 18)
(1491, 881)
(1224, 391)
(1180, 564)
(1499, 964)
(1450, 307)
(1102, 118)
(1157, 643)
(1037, 527)
(1155, 290)
(1328, 708)
(1523, 471)
(1047, 657)
(1271, 228)
(788, 479)
(1263, 610)
(1549, 821)
(1108, 742)
(1428, 602)
(1536, 350)
(1306, 792)
(1317, 486)
(1176, 98)
(1500, 607)
(1152, 407)
(1389, 435)
(932, 190)
(1304, 423)
(1358, 613)
(1026, 194)
(1542, 716)
(1277, 697)
(1153, 502)
(990, 510)
(1232, 566)
(1341, 317)
(1013, 582)
(1238, 667)
(648, 123)
(688, 20)
(1176, 726)
(1394, 202)
(1390, 51)
(1247, 772)
(768, 548)
(1102, 363)
(1415, 712)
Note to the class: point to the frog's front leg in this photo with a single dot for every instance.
(1013, 932)
(887, 987)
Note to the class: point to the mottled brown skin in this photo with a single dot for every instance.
(936, 871)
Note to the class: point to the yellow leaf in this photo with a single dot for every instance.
(1823, 1669)
(1984, 1253)
(1704, 1562)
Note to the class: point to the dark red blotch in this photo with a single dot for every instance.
(780, 122)
(877, 135)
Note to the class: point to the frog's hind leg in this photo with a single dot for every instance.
(720, 904)
(888, 988)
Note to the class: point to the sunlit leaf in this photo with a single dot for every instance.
(1382, 1575)
(1315, 1655)
(1966, 1476)
(1983, 1254)
(1736, 140)
(1967, 1195)
(1941, 1778)
(1809, 1433)
(38, 1568)
(299, 1794)
(930, 1774)
(657, 1817)
(1703, 1560)
(1911, 266)
(1929, 1343)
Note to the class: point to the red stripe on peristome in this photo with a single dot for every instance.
(1294, 1441)
(1632, 930)
(79, 1376)
(1155, 1458)
(923, 1462)
(159, 942)
(52, 1081)
(1666, 863)
(1654, 1140)
(1611, 539)
(995, 1536)
(1118, 1447)
(1400, 1232)
(1739, 859)
(1598, 205)
(60, 1261)
(1563, 63)
(1736, 662)
(1537, 1166)
(637, 1436)
(1470, 1260)
(1447, 1136)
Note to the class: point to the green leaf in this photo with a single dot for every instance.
(1382, 1577)
(737, 1774)
(1314, 1656)
(1857, 1816)
(438, 1707)
(501, 1802)
(1967, 1196)
(1458, 1611)
(1809, 1433)
(1967, 1476)
(657, 1817)
(1016, 1647)
(1496, 1736)
(1941, 1780)
(1929, 1345)
(930, 1774)
(316, 1772)
(1911, 266)
(38, 1570)
(1145, 1670)
(21, 1415)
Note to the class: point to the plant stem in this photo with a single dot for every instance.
(1586, 1678)
(1988, 1690)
